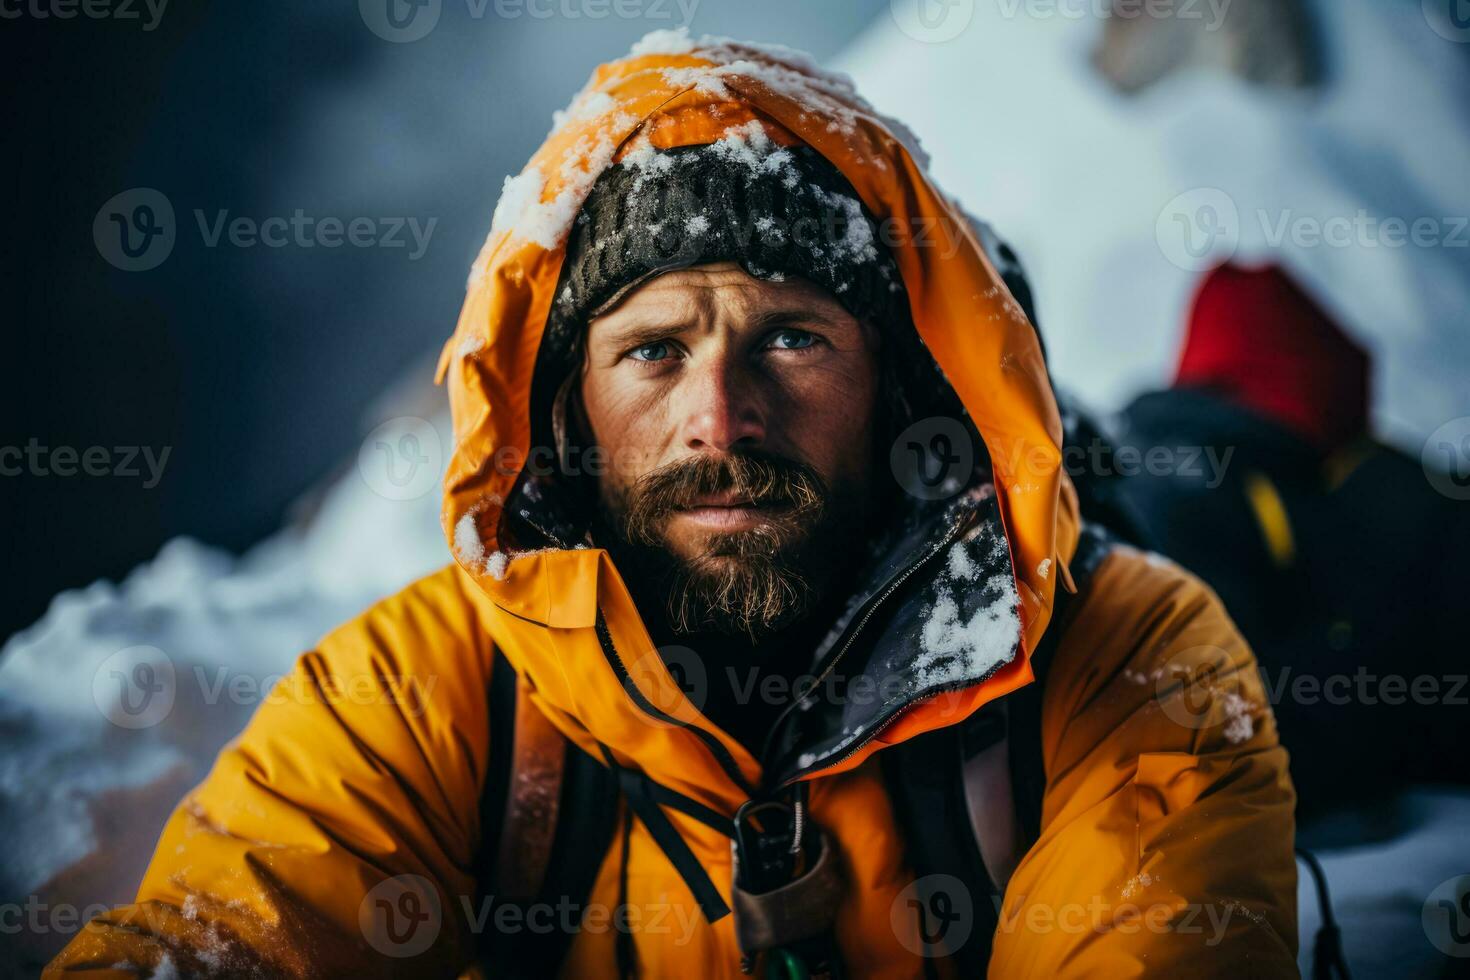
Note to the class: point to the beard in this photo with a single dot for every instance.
(752, 581)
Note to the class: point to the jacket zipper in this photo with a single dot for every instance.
(891, 587)
(718, 750)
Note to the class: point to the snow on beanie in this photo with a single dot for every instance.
(776, 211)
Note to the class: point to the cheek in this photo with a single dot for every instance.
(830, 415)
(628, 424)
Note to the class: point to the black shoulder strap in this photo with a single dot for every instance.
(588, 798)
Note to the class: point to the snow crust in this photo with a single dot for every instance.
(221, 624)
(953, 647)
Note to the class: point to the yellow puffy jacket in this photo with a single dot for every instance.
(1166, 845)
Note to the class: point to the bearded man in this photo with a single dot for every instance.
(774, 640)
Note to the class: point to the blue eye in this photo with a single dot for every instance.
(792, 339)
(650, 352)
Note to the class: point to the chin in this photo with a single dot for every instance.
(707, 548)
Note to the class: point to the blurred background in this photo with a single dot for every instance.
(240, 232)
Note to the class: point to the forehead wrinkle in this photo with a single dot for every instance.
(719, 298)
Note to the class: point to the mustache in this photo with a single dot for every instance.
(793, 488)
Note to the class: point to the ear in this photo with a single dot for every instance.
(569, 424)
(873, 333)
(559, 419)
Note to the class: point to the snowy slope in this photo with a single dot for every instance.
(1380, 891)
(1081, 180)
(87, 777)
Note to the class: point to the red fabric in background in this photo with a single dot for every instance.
(1256, 337)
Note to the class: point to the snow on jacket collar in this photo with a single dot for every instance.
(673, 90)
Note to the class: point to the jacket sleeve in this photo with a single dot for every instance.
(335, 836)
(1167, 841)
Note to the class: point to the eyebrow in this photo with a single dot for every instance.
(638, 334)
(774, 319)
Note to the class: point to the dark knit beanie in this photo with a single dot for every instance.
(776, 211)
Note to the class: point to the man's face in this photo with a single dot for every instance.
(737, 418)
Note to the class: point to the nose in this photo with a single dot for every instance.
(720, 408)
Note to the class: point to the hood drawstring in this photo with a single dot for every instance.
(646, 798)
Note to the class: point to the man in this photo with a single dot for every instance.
(738, 398)
(1342, 564)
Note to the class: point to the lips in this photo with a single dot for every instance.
(728, 510)
(725, 518)
(726, 498)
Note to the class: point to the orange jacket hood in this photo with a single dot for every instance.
(676, 91)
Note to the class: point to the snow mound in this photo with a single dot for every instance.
(119, 698)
